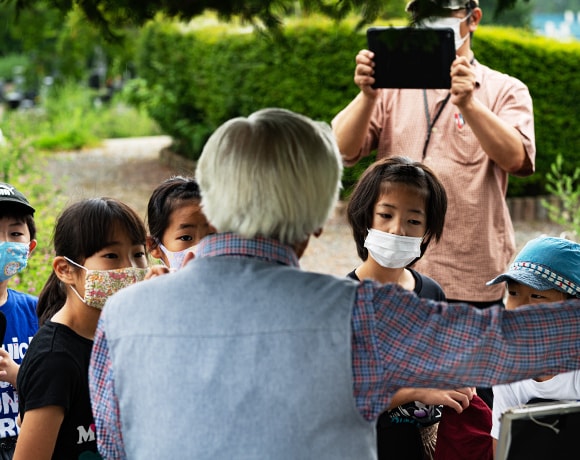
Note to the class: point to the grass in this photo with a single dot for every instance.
(65, 118)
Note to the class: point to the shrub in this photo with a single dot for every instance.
(32, 181)
(9, 63)
(565, 188)
(69, 119)
(194, 79)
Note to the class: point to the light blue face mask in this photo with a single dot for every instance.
(175, 258)
(13, 258)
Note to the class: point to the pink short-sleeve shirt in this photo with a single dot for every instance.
(478, 240)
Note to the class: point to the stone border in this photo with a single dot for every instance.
(530, 208)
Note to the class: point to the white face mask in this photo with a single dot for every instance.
(175, 258)
(451, 23)
(392, 251)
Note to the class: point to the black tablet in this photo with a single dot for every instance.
(409, 57)
(539, 431)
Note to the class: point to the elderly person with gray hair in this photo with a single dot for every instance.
(241, 354)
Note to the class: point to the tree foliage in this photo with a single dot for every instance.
(519, 15)
(111, 14)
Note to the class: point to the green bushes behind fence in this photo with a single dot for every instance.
(195, 79)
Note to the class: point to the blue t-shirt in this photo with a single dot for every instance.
(21, 325)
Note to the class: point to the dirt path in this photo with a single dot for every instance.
(129, 169)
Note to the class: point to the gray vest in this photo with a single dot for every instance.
(237, 359)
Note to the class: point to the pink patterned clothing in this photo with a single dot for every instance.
(478, 241)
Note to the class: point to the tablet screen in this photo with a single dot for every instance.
(408, 57)
(539, 431)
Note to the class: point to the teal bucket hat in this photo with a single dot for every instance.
(546, 263)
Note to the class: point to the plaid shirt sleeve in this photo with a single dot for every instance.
(400, 340)
(104, 401)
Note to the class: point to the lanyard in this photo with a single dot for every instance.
(430, 123)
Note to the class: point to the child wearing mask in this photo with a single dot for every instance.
(100, 248)
(546, 270)
(397, 208)
(176, 222)
(17, 241)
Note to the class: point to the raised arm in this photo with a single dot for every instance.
(500, 141)
(351, 124)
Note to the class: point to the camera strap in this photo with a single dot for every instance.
(430, 123)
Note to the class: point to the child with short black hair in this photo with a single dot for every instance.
(546, 270)
(17, 241)
(396, 210)
(176, 222)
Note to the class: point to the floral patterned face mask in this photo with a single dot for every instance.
(13, 258)
(101, 284)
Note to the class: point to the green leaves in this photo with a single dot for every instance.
(565, 187)
(109, 14)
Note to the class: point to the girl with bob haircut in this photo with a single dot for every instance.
(389, 173)
(272, 145)
(397, 208)
(176, 222)
(100, 248)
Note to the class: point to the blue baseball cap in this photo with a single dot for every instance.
(546, 263)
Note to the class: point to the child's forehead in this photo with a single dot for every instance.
(12, 218)
(181, 202)
(10, 224)
(187, 207)
(513, 284)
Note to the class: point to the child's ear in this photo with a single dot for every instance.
(153, 248)
(31, 246)
(63, 270)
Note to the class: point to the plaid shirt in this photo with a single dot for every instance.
(398, 340)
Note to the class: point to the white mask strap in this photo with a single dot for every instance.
(74, 263)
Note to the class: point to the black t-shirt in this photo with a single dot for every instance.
(54, 372)
(398, 435)
(425, 287)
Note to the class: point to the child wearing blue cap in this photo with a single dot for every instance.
(546, 270)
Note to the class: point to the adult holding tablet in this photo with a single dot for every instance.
(473, 136)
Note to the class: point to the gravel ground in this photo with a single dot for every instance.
(129, 169)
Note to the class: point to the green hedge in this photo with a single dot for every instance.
(550, 69)
(195, 79)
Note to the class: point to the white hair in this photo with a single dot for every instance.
(275, 174)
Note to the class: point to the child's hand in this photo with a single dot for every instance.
(8, 368)
(156, 270)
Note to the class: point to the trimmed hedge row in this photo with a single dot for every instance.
(195, 79)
